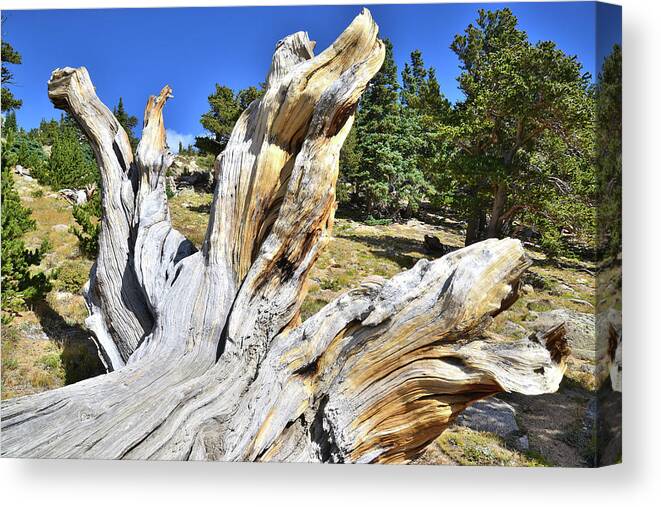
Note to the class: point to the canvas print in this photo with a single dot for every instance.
(338, 234)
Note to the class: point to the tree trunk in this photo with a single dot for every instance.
(206, 354)
(476, 220)
(499, 200)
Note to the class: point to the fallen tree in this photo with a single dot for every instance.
(206, 353)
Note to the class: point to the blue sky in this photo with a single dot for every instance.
(132, 53)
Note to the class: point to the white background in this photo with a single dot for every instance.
(636, 482)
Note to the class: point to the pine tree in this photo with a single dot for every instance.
(9, 123)
(424, 105)
(88, 226)
(414, 78)
(387, 181)
(609, 152)
(45, 133)
(127, 121)
(9, 56)
(524, 102)
(19, 285)
(226, 107)
(71, 164)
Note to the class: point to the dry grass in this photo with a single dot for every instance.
(473, 448)
(190, 214)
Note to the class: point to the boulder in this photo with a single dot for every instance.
(581, 333)
(522, 443)
(491, 415)
(74, 196)
(186, 172)
(22, 171)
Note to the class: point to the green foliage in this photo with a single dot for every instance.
(19, 283)
(380, 168)
(71, 163)
(9, 122)
(46, 132)
(9, 56)
(20, 149)
(88, 219)
(609, 152)
(226, 107)
(127, 121)
(70, 276)
(514, 157)
(526, 118)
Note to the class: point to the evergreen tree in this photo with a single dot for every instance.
(384, 175)
(426, 107)
(609, 152)
(348, 179)
(13, 57)
(180, 149)
(71, 164)
(20, 149)
(127, 121)
(226, 107)
(522, 100)
(246, 96)
(414, 80)
(220, 119)
(19, 285)
(88, 225)
(46, 132)
(9, 122)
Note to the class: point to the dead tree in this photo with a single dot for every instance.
(206, 353)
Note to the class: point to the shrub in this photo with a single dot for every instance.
(71, 164)
(87, 216)
(70, 277)
(19, 284)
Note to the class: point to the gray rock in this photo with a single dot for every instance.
(587, 304)
(33, 331)
(60, 227)
(581, 334)
(22, 171)
(522, 443)
(491, 415)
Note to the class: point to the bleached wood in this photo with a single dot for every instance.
(209, 358)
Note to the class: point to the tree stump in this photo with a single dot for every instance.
(207, 358)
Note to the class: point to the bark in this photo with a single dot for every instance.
(207, 355)
(476, 225)
(497, 210)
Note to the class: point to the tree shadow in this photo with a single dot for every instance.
(573, 264)
(398, 249)
(79, 356)
(559, 425)
(393, 248)
(201, 208)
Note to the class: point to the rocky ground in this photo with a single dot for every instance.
(47, 346)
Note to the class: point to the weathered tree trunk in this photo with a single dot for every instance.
(207, 355)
